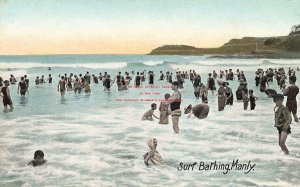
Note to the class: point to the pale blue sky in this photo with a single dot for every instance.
(137, 26)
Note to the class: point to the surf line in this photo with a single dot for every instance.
(218, 166)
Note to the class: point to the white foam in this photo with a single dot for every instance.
(27, 65)
(153, 63)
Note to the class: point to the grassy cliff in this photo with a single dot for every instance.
(287, 46)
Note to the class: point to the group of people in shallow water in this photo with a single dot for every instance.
(283, 116)
(171, 105)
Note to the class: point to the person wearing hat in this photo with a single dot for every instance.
(5, 94)
(221, 96)
(282, 121)
(175, 101)
(200, 111)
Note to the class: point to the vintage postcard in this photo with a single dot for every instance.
(149, 93)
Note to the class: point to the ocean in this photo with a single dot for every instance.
(98, 139)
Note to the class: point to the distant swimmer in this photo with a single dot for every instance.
(49, 68)
(200, 111)
(153, 154)
(5, 94)
(283, 120)
(38, 159)
(150, 113)
(50, 79)
(37, 80)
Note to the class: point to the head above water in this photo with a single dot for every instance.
(278, 98)
(6, 83)
(175, 85)
(153, 106)
(167, 96)
(38, 154)
(188, 109)
(292, 79)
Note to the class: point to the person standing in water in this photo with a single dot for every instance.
(175, 101)
(221, 96)
(5, 94)
(211, 83)
(283, 120)
(164, 110)
(61, 87)
(252, 99)
(27, 82)
(291, 92)
(50, 79)
(137, 81)
(22, 87)
(153, 154)
(203, 93)
(12, 79)
(245, 99)
(229, 94)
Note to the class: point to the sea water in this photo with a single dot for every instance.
(97, 139)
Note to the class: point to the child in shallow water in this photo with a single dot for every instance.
(38, 159)
(148, 115)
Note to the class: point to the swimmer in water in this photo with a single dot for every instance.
(153, 154)
(200, 111)
(38, 159)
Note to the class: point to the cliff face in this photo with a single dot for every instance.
(246, 45)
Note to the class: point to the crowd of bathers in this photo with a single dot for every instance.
(171, 105)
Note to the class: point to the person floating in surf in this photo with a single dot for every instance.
(38, 159)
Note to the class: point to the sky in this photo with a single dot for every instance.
(30, 27)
